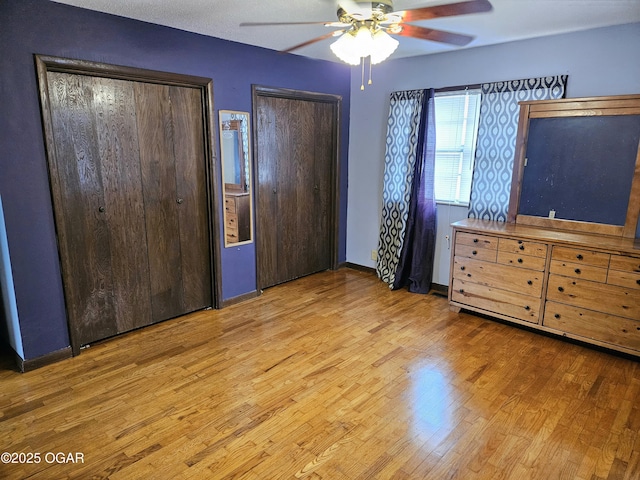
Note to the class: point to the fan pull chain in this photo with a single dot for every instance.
(362, 65)
(370, 68)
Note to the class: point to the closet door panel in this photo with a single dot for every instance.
(292, 203)
(122, 184)
(153, 115)
(188, 134)
(323, 190)
(267, 112)
(83, 234)
(295, 156)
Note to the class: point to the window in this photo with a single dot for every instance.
(456, 131)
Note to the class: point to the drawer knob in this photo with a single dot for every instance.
(577, 270)
(521, 247)
(519, 260)
(461, 290)
(579, 257)
(557, 315)
(527, 308)
(529, 282)
(462, 267)
(638, 281)
(561, 289)
(475, 240)
(475, 252)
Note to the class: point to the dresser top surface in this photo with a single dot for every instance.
(594, 241)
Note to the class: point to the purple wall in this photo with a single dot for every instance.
(29, 27)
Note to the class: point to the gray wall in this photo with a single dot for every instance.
(601, 61)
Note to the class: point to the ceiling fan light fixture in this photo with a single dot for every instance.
(364, 42)
(383, 46)
(344, 48)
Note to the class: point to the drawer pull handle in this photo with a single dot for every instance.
(519, 260)
(557, 315)
(579, 257)
(474, 252)
(529, 282)
(475, 240)
(577, 270)
(638, 281)
(561, 289)
(462, 290)
(462, 267)
(527, 308)
(521, 247)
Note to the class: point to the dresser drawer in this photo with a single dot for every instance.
(521, 261)
(522, 307)
(230, 205)
(472, 251)
(611, 299)
(624, 279)
(522, 247)
(475, 240)
(593, 325)
(588, 272)
(625, 264)
(519, 280)
(583, 257)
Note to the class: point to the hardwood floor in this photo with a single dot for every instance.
(328, 377)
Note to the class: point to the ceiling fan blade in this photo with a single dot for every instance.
(431, 34)
(447, 10)
(313, 40)
(268, 24)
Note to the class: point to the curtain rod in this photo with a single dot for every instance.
(476, 86)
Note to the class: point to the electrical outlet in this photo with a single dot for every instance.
(374, 255)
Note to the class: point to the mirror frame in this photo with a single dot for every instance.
(593, 106)
(238, 198)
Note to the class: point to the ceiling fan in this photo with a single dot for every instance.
(365, 27)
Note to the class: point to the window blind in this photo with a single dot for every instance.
(456, 132)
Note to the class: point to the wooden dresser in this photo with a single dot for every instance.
(237, 217)
(578, 285)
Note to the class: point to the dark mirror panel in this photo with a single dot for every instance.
(580, 168)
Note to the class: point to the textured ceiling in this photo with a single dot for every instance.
(510, 20)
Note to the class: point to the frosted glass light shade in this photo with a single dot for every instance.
(352, 46)
(344, 48)
(383, 46)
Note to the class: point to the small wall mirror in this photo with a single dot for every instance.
(235, 151)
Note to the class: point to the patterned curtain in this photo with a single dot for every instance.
(497, 130)
(403, 129)
(415, 269)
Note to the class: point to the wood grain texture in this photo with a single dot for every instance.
(332, 376)
(119, 162)
(191, 192)
(296, 139)
(77, 188)
(158, 166)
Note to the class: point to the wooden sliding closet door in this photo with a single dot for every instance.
(296, 176)
(130, 201)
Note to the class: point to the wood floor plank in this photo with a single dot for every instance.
(329, 377)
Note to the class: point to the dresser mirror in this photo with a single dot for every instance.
(577, 165)
(235, 151)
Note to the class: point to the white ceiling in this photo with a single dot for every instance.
(510, 20)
